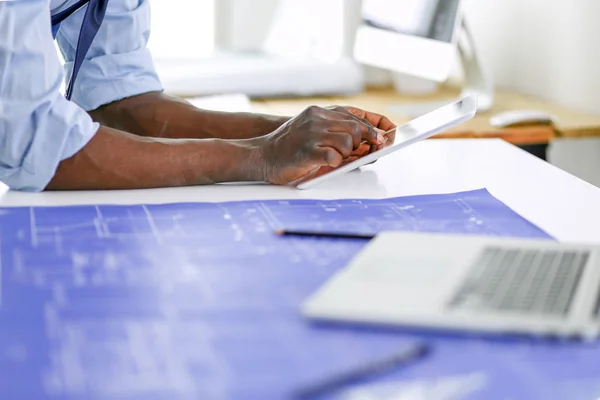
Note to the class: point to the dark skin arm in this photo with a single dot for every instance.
(115, 159)
(156, 114)
(159, 115)
(136, 147)
(155, 140)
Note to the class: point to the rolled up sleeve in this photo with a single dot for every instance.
(38, 126)
(118, 64)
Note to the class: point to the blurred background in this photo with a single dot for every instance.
(547, 49)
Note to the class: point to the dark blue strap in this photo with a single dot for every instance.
(92, 20)
(55, 29)
(56, 19)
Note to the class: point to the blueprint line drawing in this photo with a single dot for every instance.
(201, 300)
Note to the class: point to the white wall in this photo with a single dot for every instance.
(243, 24)
(548, 48)
(182, 35)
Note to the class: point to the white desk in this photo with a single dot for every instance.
(563, 205)
(566, 207)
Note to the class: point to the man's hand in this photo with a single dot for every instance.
(317, 138)
(367, 120)
(378, 121)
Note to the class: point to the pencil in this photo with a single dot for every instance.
(338, 235)
(403, 358)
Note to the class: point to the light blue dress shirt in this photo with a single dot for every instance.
(38, 126)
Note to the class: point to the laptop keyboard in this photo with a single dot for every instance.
(522, 280)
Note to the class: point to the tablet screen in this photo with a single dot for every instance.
(434, 121)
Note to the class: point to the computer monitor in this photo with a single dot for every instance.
(422, 38)
(415, 37)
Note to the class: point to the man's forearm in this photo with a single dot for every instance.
(117, 160)
(159, 115)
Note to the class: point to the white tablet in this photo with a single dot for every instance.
(416, 130)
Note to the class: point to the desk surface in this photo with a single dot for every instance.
(564, 206)
(561, 204)
(570, 123)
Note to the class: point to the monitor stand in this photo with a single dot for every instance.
(476, 81)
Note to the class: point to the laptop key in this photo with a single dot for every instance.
(522, 280)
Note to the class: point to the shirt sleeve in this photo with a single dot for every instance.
(38, 126)
(118, 64)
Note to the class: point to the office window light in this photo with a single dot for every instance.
(182, 29)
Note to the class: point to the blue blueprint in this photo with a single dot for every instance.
(200, 301)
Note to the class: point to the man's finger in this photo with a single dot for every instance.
(324, 169)
(360, 132)
(362, 150)
(345, 110)
(348, 115)
(368, 132)
(378, 121)
(342, 142)
(349, 124)
(327, 156)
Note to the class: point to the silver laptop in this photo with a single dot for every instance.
(473, 283)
